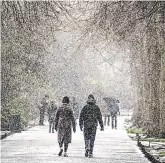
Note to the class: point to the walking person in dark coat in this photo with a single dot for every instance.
(43, 107)
(64, 121)
(89, 117)
(114, 109)
(106, 115)
(51, 116)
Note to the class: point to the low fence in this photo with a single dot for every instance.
(147, 154)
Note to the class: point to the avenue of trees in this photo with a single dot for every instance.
(29, 30)
(23, 32)
(140, 26)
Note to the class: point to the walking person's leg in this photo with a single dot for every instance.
(115, 121)
(41, 118)
(91, 147)
(112, 120)
(60, 140)
(108, 119)
(87, 141)
(105, 120)
(92, 140)
(53, 127)
(50, 125)
(65, 149)
(61, 149)
(67, 140)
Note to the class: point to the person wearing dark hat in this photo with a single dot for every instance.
(89, 117)
(64, 122)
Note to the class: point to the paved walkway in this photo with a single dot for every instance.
(38, 146)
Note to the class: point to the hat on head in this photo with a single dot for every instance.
(65, 100)
(91, 96)
(47, 96)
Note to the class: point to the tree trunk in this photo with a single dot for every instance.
(161, 49)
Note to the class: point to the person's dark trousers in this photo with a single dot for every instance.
(65, 147)
(114, 121)
(51, 127)
(108, 119)
(105, 120)
(89, 137)
(41, 122)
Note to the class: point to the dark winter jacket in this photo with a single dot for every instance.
(64, 122)
(64, 117)
(114, 109)
(90, 115)
(52, 112)
(43, 106)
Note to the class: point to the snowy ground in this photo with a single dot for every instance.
(38, 146)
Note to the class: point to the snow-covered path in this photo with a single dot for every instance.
(38, 146)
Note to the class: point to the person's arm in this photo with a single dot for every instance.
(81, 119)
(99, 118)
(56, 119)
(118, 110)
(73, 121)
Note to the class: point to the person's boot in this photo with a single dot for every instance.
(90, 155)
(60, 153)
(112, 126)
(65, 154)
(108, 121)
(86, 148)
(115, 126)
(86, 152)
(42, 124)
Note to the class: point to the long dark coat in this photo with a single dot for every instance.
(64, 121)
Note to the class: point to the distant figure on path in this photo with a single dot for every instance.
(51, 116)
(114, 109)
(64, 121)
(75, 109)
(43, 106)
(89, 117)
(106, 114)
